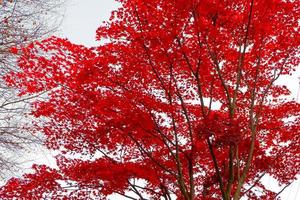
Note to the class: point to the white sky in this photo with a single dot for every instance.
(79, 25)
(82, 18)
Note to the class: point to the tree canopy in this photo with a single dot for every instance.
(180, 101)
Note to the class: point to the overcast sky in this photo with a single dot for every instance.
(82, 19)
(79, 25)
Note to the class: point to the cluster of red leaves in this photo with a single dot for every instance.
(32, 186)
(219, 126)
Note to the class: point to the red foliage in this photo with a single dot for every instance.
(141, 109)
(32, 186)
(13, 50)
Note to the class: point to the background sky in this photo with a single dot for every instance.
(82, 18)
(79, 25)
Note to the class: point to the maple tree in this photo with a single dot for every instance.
(181, 101)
